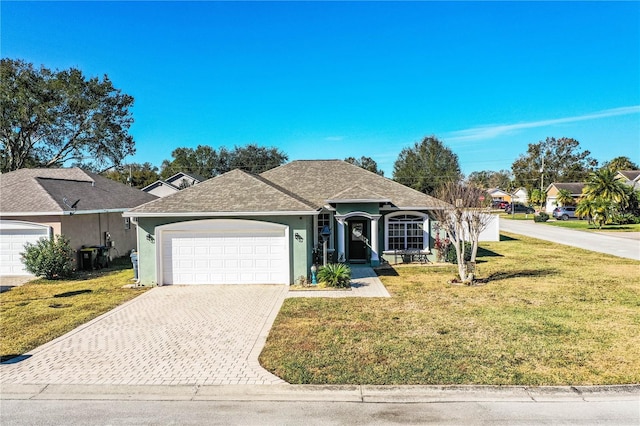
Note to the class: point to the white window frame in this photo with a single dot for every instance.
(317, 229)
(425, 227)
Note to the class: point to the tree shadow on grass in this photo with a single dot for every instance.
(522, 273)
(73, 293)
(483, 252)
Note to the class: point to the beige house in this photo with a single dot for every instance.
(498, 194)
(575, 188)
(83, 206)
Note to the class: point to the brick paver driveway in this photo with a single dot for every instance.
(200, 335)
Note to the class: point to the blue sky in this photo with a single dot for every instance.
(338, 79)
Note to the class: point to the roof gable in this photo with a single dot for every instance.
(630, 175)
(233, 192)
(321, 180)
(357, 193)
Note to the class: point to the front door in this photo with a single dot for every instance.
(357, 236)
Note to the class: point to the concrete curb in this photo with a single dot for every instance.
(327, 393)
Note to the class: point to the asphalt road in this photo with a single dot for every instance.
(58, 412)
(612, 243)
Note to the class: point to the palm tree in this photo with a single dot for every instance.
(565, 198)
(603, 184)
(596, 210)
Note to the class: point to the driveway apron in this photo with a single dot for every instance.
(186, 335)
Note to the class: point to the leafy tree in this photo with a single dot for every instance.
(366, 163)
(621, 163)
(490, 179)
(537, 197)
(565, 198)
(204, 161)
(426, 166)
(134, 174)
(49, 258)
(563, 162)
(207, 162)
(51, 117)
(466, 217)
(256, 159)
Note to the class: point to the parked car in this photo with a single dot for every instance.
(519, 208)
(564, 212)
(499, 204)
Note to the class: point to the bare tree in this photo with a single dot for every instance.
(467, 215)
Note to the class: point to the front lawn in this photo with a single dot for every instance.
(548, 315)
(584, 225)
(41, 310)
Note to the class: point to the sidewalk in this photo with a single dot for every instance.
(364, 283)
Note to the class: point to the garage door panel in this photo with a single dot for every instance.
(211, 256)
(13, 237)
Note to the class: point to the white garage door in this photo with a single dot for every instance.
(13, 236)
(225, 252)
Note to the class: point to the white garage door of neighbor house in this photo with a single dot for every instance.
(13, 236)
(225, 252)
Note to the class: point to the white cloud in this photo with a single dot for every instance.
(492, 131)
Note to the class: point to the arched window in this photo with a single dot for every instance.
(406, 231)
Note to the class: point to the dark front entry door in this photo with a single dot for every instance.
(357, 247)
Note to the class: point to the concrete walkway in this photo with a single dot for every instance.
(364, 283)
(612, 243)
(172, 335)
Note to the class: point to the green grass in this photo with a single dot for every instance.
(41, 310)
(546, 315)
(517, 216)
(586, 226)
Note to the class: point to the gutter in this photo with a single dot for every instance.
(64, 212)
(221, 214)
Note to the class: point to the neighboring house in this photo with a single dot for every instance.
(629, 177)
(520, 195)
(162, 188)
(498, 194)
(575, 188)
(239, 228)
(85, 207)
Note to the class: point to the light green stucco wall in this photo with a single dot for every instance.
(300, 247)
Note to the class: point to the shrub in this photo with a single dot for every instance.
(625, 219)
(541, 217)
(335, 275)
(49, 258)
(451, 253)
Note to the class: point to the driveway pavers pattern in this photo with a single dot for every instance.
(173, 335)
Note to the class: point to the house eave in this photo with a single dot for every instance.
(63, 212)
(358, 200)
(222, 214)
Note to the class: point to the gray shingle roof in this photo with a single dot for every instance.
(630, 174)
(574, 188)
(45, 190)
(233, 192)
(299, 186)
(321, 180)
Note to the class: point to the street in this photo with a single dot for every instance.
(59, 412)
(614, 243)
